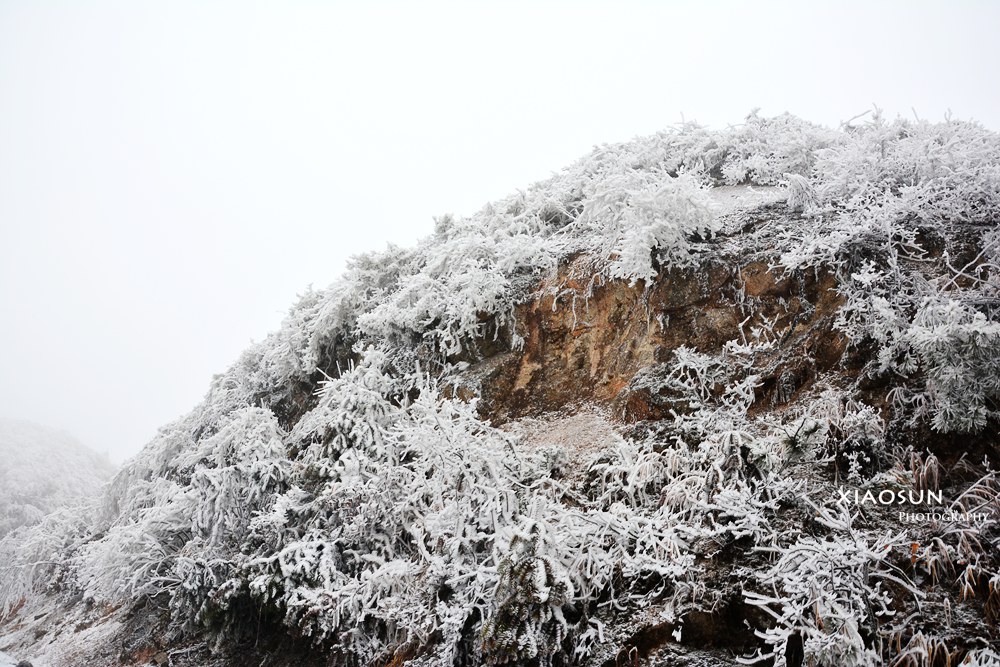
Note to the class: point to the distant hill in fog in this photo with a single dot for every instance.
(41, 470)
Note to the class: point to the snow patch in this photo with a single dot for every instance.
(731, 198)
(579, 437)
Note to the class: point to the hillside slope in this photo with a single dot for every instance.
(42, 470)
(619, 417)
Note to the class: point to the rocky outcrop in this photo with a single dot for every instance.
(587, 341)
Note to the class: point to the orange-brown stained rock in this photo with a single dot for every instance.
(581, 349)
(759, 280)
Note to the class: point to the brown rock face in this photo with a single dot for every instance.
(585, 341)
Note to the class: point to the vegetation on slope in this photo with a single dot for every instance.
(344, 480)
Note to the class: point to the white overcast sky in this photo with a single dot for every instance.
(173, 173)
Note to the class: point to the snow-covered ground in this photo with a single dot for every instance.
(91, 627)
(729, 198)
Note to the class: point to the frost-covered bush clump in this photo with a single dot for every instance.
(831, 595)
(906, 215)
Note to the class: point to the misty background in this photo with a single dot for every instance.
(173, 174)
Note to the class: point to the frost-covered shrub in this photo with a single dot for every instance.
(895, 202)
(405, 502)
(765, 150)
(923, 172)
(830, 595)
(959, 353)
(801, 193)
(37, 558)
(234, 475)
(183, 535)
(528, 620)
(844, 430)
(136, 555)
(636, 214)
(420, 500)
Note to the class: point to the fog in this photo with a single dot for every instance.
(173, 174)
